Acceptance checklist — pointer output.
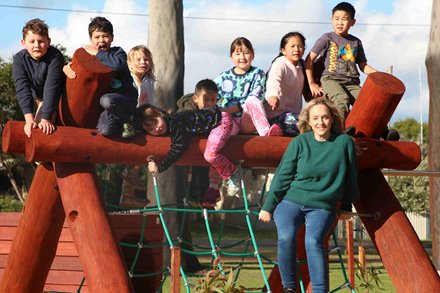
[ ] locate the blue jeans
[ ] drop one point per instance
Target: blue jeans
(118, 109)
(289, 216)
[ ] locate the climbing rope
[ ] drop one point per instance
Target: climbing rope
(215, 250)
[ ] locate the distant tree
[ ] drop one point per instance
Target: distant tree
(9, 108)
(409, 129)
(412, 191)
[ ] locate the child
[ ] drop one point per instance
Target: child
(341, 51)
(38, 77)
(204, 96)
(141, 66)
(120, 102)
(241, 91)
(184, 124)
(285, 84)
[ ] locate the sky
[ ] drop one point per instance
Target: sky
(395, 33)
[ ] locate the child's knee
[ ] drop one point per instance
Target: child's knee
(106, 101)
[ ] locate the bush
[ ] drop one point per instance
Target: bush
(10, 204)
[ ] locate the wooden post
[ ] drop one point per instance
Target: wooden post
(350, 252)
(42, 220)
(35, 242)
(175, 269)
(89, 225)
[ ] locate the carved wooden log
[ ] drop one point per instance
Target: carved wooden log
(73, 145)
(80, 108)
(35, 243)
(376, 103)
(89, 225)
(405, 259)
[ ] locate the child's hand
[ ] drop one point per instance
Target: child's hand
(316, 90)
(264, 216)
(68, 71)
(46, 126)
(152, 167)
(274, 102)
(29, 126)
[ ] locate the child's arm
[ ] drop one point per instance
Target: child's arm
(315, 89)
(68, 71)
(273, 85)
(365, 68)
(115, 58)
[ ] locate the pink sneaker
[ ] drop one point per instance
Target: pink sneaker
(275, 130)
(211, 197)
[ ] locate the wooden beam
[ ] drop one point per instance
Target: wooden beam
(71, 144)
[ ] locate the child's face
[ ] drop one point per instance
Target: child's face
(36, 45)
(342, 22)
(141, 64)
(159, 127)
(205, 99)
(294, 49)
(242, 58)
(101, 40)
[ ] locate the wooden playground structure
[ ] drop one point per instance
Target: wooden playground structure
(66, 193)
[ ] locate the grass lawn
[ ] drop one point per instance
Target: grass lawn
(250, 276)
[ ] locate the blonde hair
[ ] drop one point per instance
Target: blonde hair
(144, 50)
(304, 116)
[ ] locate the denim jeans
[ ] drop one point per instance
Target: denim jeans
(289, 216)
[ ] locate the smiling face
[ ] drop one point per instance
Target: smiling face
(158, 127)
(242, 58)
(101, 40)
(342, 22)
(36, 45)
(294, 49)
(320, 120)
(140, 65)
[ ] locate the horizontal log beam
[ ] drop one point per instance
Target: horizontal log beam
(80, 145)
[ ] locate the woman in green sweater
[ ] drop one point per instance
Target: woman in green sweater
(317, 173)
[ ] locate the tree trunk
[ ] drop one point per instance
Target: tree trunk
(166, 42)
(433, 69)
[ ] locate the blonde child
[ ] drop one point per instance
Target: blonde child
(285, 84)
(141, 66)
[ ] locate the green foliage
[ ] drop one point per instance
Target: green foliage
(10, 204)
(215, 282)
(110, 178)
(369, 276)
(63, 51)
(409, 129)
(9, 108)
(412, 191)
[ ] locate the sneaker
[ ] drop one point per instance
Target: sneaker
(212, 196)
(393, 135)
(289, 290)
(128, 131)
(233, 183)
(350, 130)
(275, 130)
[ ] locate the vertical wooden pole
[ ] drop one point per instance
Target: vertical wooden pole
(35, 243)
(98, 251)
(350, 252)
(175, 269)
